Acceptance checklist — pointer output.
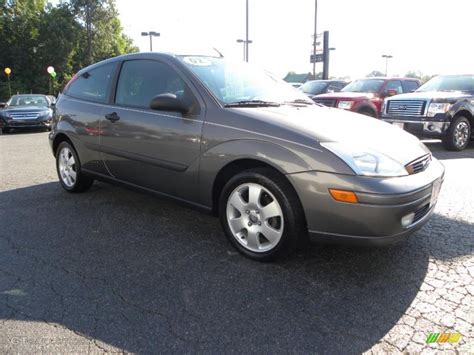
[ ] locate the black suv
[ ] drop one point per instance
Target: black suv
(441, 108)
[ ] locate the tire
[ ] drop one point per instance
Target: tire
(458, 135)
(69, 171)
(244, 218)
(5, 130)
(367, 112)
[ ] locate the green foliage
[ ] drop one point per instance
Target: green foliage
(418, 75)
(35, 34)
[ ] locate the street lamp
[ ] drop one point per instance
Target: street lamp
(245, 47)
(151, 34)
(387, 57)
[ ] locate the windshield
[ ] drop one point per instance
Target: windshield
(314, 87)
(33, 100)
(364, 85)
(449, 83)
(241, 82)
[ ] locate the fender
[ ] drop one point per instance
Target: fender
(219, 156)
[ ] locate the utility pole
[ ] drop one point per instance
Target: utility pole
(387, 57)
(315, 37)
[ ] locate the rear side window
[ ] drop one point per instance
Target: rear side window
(93, 85)
(141, 80)
(394, 85)
(410, 86)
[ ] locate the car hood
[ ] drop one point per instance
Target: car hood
(433, 95)
(325, 124)
(346, 95)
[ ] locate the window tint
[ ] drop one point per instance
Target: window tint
(141, 80)
(410, 86)
(93, 85)
(394, 85)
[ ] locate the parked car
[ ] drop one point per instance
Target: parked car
(442, 108)
(232, 140)
(317, 87)
(365, 96)
(26, 111)
(52, 99)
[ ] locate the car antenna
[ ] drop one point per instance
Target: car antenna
(220, 54)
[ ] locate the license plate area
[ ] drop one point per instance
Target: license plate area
(399, 124)
(435, 191)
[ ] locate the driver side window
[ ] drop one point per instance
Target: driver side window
(141, 80)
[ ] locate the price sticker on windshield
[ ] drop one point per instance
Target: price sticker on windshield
(197, 61)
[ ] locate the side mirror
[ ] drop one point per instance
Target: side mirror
(169, 102)
(392, 92)
(3, 104)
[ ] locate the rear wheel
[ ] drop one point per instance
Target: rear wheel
(261, 214)
(5, 130)
(458, 134)
(69, 169)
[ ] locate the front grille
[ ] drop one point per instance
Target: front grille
(421, 212)
(406, 107)
(418, 165)
(24, 115)
(326, 102)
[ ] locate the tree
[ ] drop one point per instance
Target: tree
(102, 36)
(375, 73)
(68, 36)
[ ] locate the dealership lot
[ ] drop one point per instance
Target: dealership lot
(117, 270)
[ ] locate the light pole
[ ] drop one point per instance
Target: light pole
(151, 34)
(387, 57)
(245, 47)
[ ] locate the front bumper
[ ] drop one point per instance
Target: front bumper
(27, 123)
(435, 127)
(383, 202)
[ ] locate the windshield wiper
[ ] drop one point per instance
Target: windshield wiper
(252, 103)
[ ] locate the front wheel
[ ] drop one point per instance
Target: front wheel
(69, 169)
(458, 134)
(261, 214)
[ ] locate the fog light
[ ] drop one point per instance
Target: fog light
(408, 219)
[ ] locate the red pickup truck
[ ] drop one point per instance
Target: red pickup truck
(366, 96)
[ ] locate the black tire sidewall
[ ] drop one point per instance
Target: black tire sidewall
(289, 239)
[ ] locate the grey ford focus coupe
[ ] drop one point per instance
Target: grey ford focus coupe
(235, 141)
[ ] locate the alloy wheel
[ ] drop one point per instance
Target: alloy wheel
(461, 133)
(255, 217)
(67, 167)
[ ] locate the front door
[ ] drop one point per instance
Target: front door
(157, 150)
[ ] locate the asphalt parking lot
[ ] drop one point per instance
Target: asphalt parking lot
(116, 270)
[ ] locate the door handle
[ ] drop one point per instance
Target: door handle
(112, 117)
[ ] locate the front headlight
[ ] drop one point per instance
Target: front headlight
(436, 108)
(345, 105)
(365, 161)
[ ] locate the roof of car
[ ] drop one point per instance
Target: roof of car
(389, 78)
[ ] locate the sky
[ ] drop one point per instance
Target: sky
(431, 36)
